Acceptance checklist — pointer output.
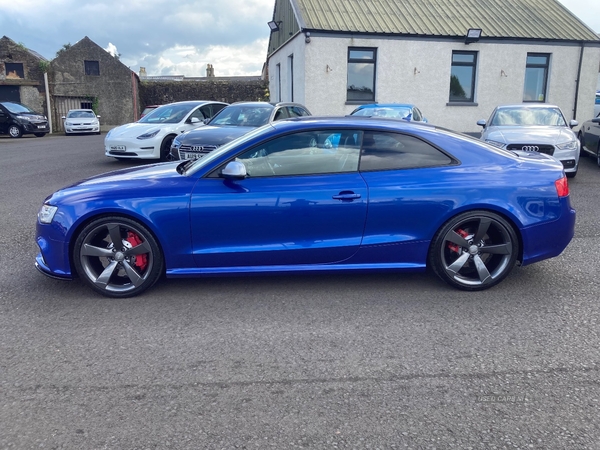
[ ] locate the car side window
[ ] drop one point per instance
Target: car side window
(201, 113)
(304, 153)
(417, 115)
(392, 151)
(281, 114)
(296, 111)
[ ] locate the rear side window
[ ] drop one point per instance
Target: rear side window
(391, 151)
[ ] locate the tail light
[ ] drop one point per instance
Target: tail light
(562, 187)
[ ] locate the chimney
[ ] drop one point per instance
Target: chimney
(143, 73)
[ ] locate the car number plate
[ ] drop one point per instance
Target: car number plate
(41, 126)
(192, 155)
(118, 148)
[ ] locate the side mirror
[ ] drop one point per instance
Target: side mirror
(596, 120)
(98, 116)
(481, 123)
(573, 123)
(63, 117)
(194, 120)
(234, 170)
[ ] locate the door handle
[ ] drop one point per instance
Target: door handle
(346, 196)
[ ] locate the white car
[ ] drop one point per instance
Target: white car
(81, 121)
(534, 127)
(151, 136)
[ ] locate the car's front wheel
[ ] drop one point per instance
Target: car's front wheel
(474, 250)
(165, 148)
(15, 131)
(117, 257)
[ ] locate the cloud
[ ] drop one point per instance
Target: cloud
(164, 36)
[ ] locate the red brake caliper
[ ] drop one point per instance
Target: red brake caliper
(455, 247)
(141, 261)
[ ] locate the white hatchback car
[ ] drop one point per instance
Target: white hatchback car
(151, 136)
(81, 121)
(534, 127)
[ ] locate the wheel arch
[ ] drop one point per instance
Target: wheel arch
(81, 224)
(506, 215)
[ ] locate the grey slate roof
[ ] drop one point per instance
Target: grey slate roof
(524, 19)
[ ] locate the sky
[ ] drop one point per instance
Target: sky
(168, 37)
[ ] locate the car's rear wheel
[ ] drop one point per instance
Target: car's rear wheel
(15, 131)
(117, 257)
(165, 148)
(474, 250)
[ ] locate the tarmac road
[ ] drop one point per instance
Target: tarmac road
(331, 361)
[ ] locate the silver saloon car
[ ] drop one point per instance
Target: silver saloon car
(534, 128)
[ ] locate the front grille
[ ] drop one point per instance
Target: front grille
(541, 148)
(197, 148)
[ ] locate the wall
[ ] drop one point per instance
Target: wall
(229, 91)
(418, 71)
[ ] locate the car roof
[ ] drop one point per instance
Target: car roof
(528, 105)
(81, 109)
(193, 102)
(356, 121)
(386, 105)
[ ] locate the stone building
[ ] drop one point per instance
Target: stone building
(22, 75)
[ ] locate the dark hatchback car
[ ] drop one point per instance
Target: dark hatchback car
(17, 119)
(230, 123)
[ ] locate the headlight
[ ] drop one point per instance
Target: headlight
(495, 143)
(46, 213)
(149, 134)
(176, 143)
(570, 145)
(24, 118)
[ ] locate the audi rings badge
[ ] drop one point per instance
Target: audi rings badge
(530, 148)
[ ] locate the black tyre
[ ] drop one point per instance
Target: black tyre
(15, 131)
(582, 152)
(165, 148)
(117, 257)
(39, 134)
(474, 250)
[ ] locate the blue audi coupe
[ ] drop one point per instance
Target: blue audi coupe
(313, 195)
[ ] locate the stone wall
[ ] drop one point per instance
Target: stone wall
(226, 90)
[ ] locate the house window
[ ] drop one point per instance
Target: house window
(536, 77)
(14, 70)
(462, 77)
(92, 68)
(361, 74)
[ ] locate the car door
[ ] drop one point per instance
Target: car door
(591, 135)
(4, 120)
(300, 204)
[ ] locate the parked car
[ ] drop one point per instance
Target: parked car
(597, 105)
(534, 127)
(81, 121)
(392, 195)
(232, 122)
(147, 110)
(589, 138)
(151, 136)
(404, 111)
(17, 119)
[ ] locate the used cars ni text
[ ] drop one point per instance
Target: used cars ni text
(81, 121)
(389, 195)
(232, 122)
(151, 136)
(534, 128)
(17, 119)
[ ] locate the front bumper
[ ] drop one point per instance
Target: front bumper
(148, 149)
(36, 127)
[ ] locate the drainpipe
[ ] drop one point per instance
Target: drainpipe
(48, 109)
(577, 81)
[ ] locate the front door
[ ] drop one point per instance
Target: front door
(304, 202)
